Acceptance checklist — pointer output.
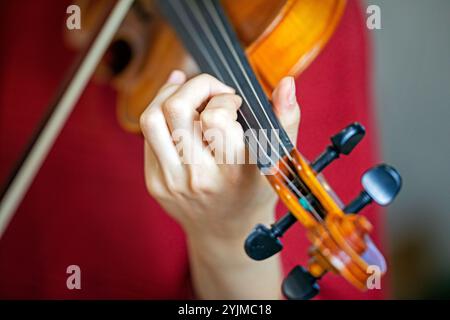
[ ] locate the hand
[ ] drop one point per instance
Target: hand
(216, 204)
(221, 199)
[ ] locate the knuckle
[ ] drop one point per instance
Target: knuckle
(222, 101)
(200, 184)
(148, 119)
(173, 106)
(204, 77)
(176, 189)
(155, 190)
(214, 118)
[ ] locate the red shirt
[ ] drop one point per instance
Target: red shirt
(88, 205)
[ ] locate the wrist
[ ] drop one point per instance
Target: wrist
(228, 231)
(221, 269)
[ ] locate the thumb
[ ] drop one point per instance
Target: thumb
(286, 107)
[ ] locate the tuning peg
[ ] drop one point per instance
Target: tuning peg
(263, 242)
(342, 143)
(381, 184)
(300, 285)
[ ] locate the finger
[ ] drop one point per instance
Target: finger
(156, 132)
(154, 178)
(182, 117)
(286, 107)
(173, 82)
(181, 108)
(227, 104)
(176, 77)
(221, 130)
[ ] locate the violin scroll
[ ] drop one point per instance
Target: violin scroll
(263, 242)
(340, 238)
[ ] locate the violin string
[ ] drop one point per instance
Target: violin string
(214, 14)
(190, 27)
(236, 57)
(209, 59)
(216, 18)
(213, 42)
(298, 193)
(215, 45)
(219, 24)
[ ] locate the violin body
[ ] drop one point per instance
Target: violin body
(146, 49)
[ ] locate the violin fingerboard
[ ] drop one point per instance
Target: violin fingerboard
(208, 35)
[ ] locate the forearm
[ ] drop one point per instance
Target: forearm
(220, 269)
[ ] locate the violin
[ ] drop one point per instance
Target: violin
(238, 43)
(146, 48)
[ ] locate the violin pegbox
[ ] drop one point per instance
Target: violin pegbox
(264, 242)
(381, 184)
(339, 236)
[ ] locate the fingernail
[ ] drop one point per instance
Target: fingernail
(292, 96)
(176, 77)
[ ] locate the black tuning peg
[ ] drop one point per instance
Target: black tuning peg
(381, 185)
(342, 143)
(264, 242)
(300, 285)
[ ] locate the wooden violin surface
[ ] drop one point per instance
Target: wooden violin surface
(281, 38)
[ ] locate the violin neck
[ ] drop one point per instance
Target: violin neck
(208, 35)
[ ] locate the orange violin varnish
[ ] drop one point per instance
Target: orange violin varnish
(145, 50)
(338, 240)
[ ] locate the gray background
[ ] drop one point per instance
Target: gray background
(412, 86)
